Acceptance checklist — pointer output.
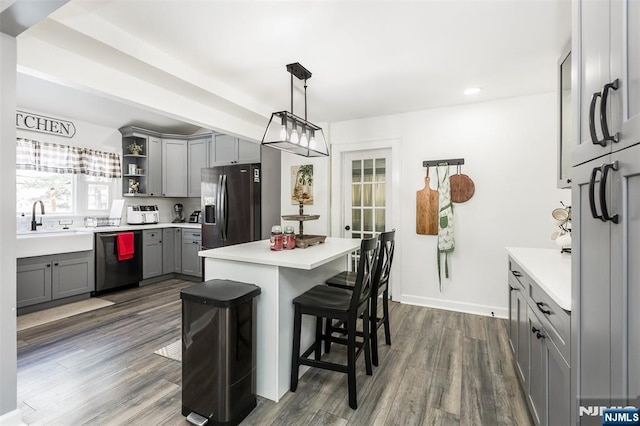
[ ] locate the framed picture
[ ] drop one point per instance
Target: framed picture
(302, 184)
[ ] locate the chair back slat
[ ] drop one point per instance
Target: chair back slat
(366, 271)
(385, 258)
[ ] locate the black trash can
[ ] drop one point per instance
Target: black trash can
(218, 351)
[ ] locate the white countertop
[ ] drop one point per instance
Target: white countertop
(549, 268)
(160, 225)
(54, 241)
(298, 258)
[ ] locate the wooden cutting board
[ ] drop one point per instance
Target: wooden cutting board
(427, 210)
(462, 188)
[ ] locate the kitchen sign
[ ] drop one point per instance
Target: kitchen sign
(41, 123)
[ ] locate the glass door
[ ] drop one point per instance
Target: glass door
(366, 194)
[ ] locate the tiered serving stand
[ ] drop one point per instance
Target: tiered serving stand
(304, 241)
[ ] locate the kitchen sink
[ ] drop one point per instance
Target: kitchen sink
(53, 241)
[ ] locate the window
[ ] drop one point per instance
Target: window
(55, 190)
(68, 180)
(98, 193)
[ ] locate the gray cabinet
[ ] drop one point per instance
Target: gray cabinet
(33, 282)
(231, 150)
(191, 245)
(248, 152)
(606, 248)
(539, 337)
(154, 165)
(151, 253)
(518, 326)
(134, 163)
(536, 395)
(45, 278)
(171, 250)
(606, 37)
(198, 159)
(606, 206)
(174, 168)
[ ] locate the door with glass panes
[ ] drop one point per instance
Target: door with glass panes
(366, 194)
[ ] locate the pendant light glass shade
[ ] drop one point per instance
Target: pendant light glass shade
(290, 133)
(300, 137)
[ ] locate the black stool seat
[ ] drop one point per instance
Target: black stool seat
(345, 279)
(325, 299)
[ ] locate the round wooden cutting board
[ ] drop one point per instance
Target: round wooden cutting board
(462, 188)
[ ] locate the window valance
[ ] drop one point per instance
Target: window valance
(56, 158)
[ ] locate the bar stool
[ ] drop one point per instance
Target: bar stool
(380, 286)
(343, 305)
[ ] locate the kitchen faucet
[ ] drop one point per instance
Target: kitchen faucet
(35, 224)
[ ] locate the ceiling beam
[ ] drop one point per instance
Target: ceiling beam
(23, 14)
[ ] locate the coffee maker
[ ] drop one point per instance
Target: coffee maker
(178, 217)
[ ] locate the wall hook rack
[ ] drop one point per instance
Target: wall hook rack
(451, 162)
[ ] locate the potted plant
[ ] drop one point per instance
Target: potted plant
(135, 148)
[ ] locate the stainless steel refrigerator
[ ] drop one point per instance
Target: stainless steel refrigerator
(240, 202)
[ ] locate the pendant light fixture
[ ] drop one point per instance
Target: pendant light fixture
(290, 133)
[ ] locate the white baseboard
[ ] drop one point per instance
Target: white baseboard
(450, 305)
(12, 418)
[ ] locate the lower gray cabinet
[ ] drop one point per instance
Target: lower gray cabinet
(191, 245)
(151, 253)
(537, 377)
(518, 328)
(539, 340)
(172, 251)
(44, 278)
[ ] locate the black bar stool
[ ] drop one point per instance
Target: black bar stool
(380, 286)
(343, 305)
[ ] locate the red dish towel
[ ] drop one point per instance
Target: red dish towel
(124, 241)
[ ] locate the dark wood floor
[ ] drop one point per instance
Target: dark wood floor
(443, 368)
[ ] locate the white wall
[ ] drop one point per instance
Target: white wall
(88, 135)
(8, 380)
(509, 147)
(320, 206)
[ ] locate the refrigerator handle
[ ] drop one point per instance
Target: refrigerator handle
(225, 206)
(219, 207)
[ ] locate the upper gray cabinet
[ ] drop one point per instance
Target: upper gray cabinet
(174, 168)
(170, 165)
(154, 162)
(198, 153)
(606, 52)
(231, 150)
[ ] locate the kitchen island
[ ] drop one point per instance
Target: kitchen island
(282, 275)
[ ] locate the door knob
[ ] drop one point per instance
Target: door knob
(347, 228)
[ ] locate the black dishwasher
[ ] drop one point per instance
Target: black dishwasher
(112, 273)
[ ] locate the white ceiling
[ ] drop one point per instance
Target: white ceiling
(368, 58)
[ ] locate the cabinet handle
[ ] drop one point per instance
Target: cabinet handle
(516, 274)
(592, 121)
(592, 196)
(48, 265)
(513, 288)
(540, 336)
(535, 330)
(540, 308)
(603, 192)
(603, 111)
